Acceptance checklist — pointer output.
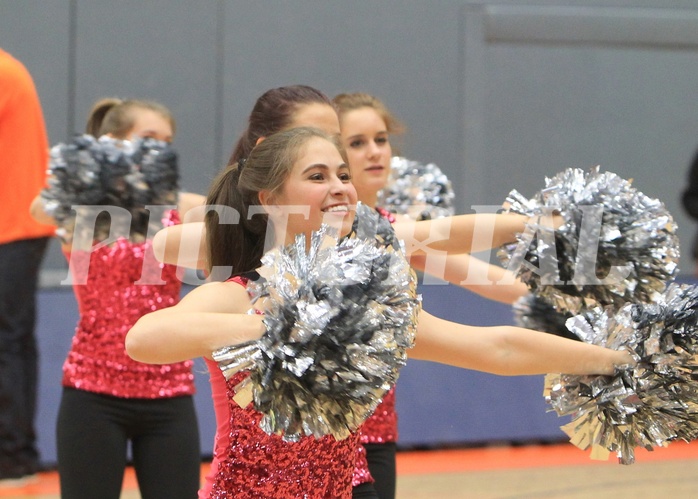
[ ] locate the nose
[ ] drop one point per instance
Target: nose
(338, 187)
(373, 149)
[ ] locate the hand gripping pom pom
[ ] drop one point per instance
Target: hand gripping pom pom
(109, 172)
(616, 245)
(419, 191)
(646, 405)
(339, 319)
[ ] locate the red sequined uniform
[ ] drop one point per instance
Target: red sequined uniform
(110, 301)
(249, 463)
(381, 426)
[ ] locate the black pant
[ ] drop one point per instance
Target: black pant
(92, 437)
(364, 491)
(19, 270)
(381, 463)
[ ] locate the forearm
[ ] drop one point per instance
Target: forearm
(166, 336)
(502, 293)
(183, 245)
(489, 281)
(525, 351)
(191, 207)
(508, 350)
(461, 233)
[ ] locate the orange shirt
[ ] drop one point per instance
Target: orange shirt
(23, 152)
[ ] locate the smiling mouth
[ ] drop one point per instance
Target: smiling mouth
(340, 209)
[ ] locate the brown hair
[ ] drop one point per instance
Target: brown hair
(117, 116)
(240, 244)
(273, 111)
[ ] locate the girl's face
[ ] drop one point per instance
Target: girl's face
(367, 145)
(315, 114)
(151, 124)
(318, 190)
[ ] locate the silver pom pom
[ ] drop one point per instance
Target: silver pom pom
(339, 319)
(109, 172)
(422, 192)
(532, 312)
(616, 245)
(648, 405)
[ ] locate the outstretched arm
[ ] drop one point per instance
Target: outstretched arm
(509, 350)
(471, 273)
(209, 317)
(460, 233)
(187, 204)
(183, 245)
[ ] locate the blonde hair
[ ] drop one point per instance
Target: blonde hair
(357, 100)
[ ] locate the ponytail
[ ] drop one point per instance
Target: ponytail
(96, 118)
(235, 243)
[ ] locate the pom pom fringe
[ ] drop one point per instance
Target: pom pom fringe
(339, 319)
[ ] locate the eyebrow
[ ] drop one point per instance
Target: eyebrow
(323, 166)
(316, 165)
(362, 135)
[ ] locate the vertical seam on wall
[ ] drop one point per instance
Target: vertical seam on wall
(471, 175)
(72, 66)
(220, 73)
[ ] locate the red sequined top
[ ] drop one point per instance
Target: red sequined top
(114, 286)
(381, 426)
(249, 463)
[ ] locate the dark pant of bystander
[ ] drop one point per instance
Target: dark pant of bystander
(19, 269)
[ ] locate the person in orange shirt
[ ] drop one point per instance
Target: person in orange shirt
(23, 242)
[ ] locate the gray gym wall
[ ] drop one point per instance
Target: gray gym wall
(498, 94)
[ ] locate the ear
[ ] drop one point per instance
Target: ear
(268, 201)
(266, 198)
(259, 140)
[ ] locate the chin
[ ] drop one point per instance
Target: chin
(379, 183)
(348, 223)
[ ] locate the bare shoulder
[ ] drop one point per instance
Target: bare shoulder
(220, 297)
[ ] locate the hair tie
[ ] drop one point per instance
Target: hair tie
(241, 163)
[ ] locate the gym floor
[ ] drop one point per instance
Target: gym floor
(552, 471)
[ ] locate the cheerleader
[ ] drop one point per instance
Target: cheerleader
(367, 127)
(303, 167)
(109, 400)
